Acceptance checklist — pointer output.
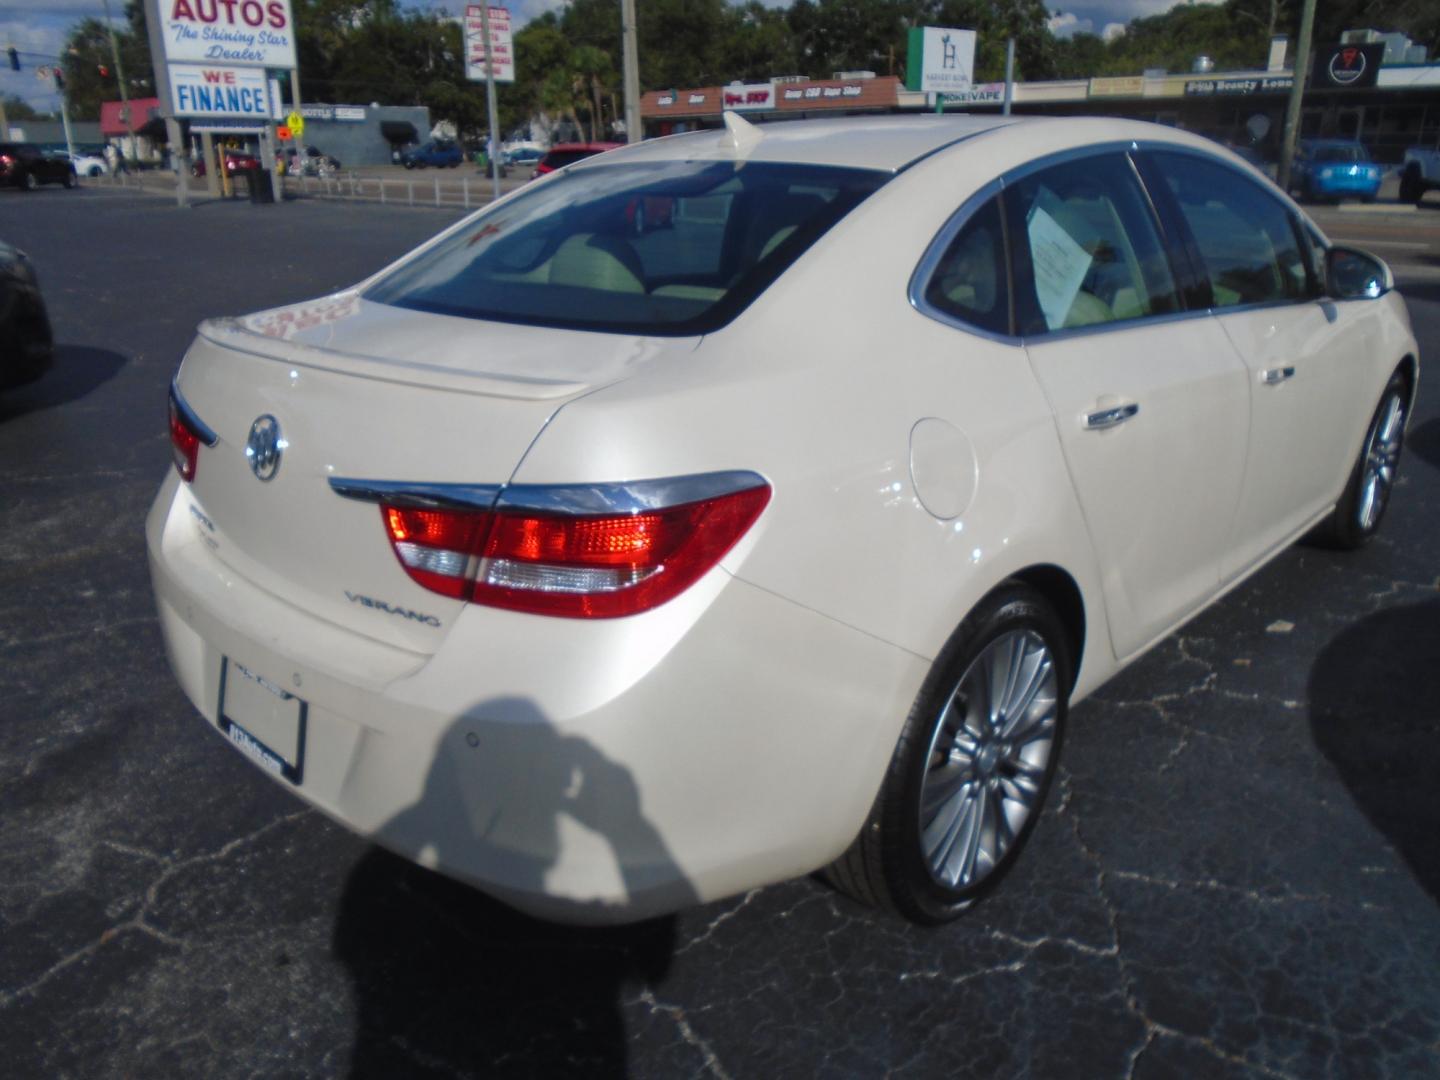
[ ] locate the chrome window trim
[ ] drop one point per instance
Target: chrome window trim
(191, 418)
(632, 497)
(930, 261)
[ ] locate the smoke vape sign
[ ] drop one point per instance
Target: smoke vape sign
(1347, 67)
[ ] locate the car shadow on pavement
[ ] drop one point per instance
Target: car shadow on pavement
(1423, 441)
(1373, 713)
(77, 370)
(447, 979)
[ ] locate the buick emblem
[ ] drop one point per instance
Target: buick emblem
(264, 447)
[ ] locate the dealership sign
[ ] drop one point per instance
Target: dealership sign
(501, 50)
(236, 93)
(940, 60)
(250, 32)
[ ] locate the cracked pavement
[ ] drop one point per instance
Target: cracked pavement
(1238, 874)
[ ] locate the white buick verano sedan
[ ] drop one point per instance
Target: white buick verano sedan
(754, 501)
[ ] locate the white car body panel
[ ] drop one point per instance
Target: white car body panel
(606, 770)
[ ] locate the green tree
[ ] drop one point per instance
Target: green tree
(90, 75)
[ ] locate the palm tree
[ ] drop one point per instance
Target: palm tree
(592, 71)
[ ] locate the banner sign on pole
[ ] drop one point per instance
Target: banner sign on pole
(501, 52)
(239, 93)
(940, 60)
(258, 32)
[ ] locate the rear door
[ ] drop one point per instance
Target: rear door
(1151, 403)
(1304, 353)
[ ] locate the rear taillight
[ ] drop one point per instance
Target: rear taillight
(577, 565)
(187, 435)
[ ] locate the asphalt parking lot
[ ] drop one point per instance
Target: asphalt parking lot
(1239, 876)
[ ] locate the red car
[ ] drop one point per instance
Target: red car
(236, 161)
(562, 154)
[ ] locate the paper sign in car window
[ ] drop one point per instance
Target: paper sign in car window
(1060, 263)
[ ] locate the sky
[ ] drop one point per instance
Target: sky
(40, 27)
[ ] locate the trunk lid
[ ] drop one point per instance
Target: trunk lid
(365, 391)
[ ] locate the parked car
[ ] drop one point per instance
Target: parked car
(783, 537)
(23, 165)
(26, 343)
(84, 164)
(523, 156)
(562, 154)
(1419, 173)
(439, 153)
(313, 163)
(1325, 169)
(236, 162)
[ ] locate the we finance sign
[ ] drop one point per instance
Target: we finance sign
(211, 92)
(258, 32)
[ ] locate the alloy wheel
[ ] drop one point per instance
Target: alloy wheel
(1382, 458)
(988, 760)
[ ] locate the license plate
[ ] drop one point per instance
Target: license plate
(265, 722)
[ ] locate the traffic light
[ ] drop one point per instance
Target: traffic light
(104, 71)
(14, 55)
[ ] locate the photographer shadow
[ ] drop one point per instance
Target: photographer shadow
(449, 979)
(1373, 712)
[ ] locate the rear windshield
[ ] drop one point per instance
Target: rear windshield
(1341, 153)
(653, 248)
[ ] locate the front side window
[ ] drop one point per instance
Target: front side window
(1086, 247)
(676, 247)
(1244, 236)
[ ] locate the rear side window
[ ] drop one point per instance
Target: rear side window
(970, 282)
(1243, 234)
(675, 247)
(1086, 246)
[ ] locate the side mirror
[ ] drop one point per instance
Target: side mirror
(1356, 275)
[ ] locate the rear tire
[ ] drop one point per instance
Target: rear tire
(1357, 516)
(69, 179)
(973, 766)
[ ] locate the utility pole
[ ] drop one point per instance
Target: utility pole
(1009, 75)
(4, 123)
(630, 53)
(120, 80)
(1297, 93)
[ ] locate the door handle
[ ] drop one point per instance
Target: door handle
(1276, 375)
(1111, 417)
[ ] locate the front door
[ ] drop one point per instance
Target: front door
(1151, 404)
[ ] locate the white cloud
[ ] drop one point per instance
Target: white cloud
(1065, 24)
(1112, 31)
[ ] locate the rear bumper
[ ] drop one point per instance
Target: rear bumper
(585, 771)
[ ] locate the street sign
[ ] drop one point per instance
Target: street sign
(502, 54)
(296, 123)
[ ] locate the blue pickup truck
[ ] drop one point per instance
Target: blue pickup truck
(437, 152)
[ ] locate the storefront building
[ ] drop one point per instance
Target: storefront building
(1386, 107)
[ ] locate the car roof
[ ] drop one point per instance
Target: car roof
(890, 143)
(1331, 142)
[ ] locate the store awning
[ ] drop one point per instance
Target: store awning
(401, 131)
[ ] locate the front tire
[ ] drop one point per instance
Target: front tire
(973, 766)
(1357, 516)
(69, 179)
(32, 182)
